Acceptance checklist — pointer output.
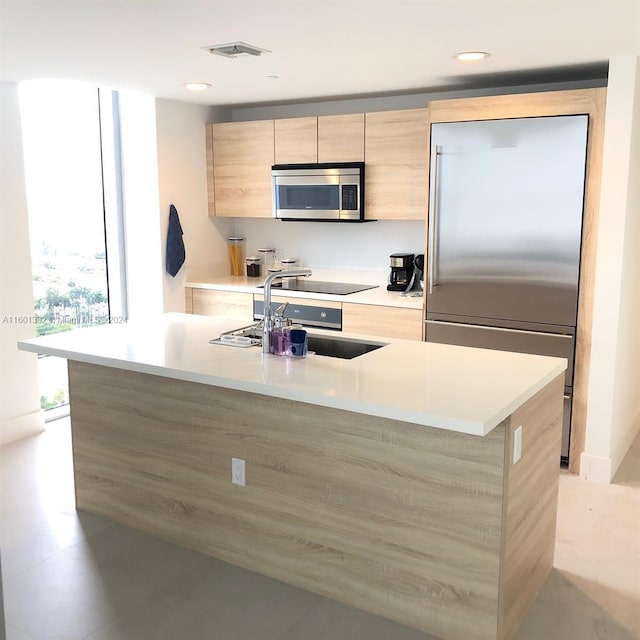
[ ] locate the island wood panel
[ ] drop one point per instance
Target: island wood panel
(552, 103)
(296, 140)
(208, 302)
(378, 320)
(341, 138)
(188, 300)
(396, 156)
(531, 504)
(211, 204)
(397, 519)
(242, 159)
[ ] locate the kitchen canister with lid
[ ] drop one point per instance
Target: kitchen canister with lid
(236, 255)
(253, 267)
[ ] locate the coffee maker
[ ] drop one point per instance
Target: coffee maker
(401, 271)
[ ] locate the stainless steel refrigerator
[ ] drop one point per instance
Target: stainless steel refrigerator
(504, 236)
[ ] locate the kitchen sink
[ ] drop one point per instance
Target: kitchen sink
(321, 345)
(345, 348)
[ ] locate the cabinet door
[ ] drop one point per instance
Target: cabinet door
(396, 157)
(208, 302)
(341, 138)
(296, 140)
(211, 201)
(242, 159)
(376, 320)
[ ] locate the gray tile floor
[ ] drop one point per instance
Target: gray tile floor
(69, 575)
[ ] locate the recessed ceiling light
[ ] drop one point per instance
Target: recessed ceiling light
(197, 86)
(272, 77)
(471, 56)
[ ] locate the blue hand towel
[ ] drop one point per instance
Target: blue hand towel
(175, 244)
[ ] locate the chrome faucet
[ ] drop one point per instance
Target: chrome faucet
(268, 317)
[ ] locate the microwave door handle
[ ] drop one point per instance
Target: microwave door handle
(433, 223)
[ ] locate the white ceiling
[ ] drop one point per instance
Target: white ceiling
(320, 48)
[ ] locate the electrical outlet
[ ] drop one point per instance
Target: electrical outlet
(517, 444)
(237, 471)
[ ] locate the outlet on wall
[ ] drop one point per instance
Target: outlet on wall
(237, 471)
(517, 444)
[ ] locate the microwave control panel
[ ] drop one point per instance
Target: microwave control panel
(349, 197)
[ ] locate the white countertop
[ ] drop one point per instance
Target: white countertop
(443, 386)
(202, 279)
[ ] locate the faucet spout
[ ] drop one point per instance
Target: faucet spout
(268, 316)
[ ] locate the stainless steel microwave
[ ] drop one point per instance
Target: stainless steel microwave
(319, 192)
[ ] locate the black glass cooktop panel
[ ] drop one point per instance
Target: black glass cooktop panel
(317, 286)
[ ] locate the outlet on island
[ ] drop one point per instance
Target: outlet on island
(237, 471)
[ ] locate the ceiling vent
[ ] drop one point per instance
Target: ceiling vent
(236, 50)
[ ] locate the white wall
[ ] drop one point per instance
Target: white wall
(613, 410)
(19, 399)
(182, 175)
(140, 205)
(333, 245)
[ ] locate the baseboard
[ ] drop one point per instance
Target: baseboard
(21, 426)
(596, 468)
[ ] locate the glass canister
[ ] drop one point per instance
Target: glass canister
(287, 264)
(268, 257)
(253, 267)
(236, 255)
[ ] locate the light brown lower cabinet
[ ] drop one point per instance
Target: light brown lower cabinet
(378, 320)
(208, 302)
(188, 300)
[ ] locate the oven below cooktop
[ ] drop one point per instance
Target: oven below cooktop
(317, 286)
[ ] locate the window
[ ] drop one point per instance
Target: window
(71, 185)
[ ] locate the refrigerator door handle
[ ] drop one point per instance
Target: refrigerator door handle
(506, 329)
(432, 222)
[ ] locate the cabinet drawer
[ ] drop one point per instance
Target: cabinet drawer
(377, 320)
(222, 303)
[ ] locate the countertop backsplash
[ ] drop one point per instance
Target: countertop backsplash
(334, 245)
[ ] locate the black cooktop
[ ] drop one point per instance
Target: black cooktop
(317, 286)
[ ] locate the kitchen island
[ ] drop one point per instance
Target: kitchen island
(386, 482)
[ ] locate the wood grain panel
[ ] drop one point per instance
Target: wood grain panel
(211, 201)
(378, 320)
(582, 101)
(397, 519)
(523, 105)
(296, 140)
(587, 278)
(242, 159)
(531, 504)
(397, 171)
(341, 138)
(208, 302)
(188, 300)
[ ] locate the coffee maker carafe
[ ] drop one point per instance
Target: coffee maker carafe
(401, 271)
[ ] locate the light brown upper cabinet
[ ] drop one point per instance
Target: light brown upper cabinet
(396, 145)
(243, 153)
(341, 138)
(211, 201)
(296, 140)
